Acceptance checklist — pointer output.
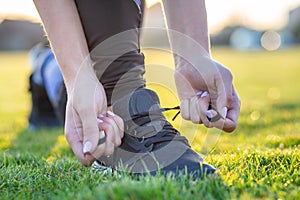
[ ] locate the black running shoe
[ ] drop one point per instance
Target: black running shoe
(42, 112)
(151, 144)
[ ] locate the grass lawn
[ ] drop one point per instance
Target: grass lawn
(260, 160)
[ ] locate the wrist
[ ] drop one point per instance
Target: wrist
(200, 62)
(83, 77)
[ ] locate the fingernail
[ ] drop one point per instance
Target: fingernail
(110, 113)
(87, 147)
(209, 114)
(99, 120)
(224, 112)
(204, 94)
(100, 116)
(199, 93)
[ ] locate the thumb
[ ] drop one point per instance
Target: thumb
(90, 133)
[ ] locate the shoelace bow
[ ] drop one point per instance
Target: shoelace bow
(214, 119)
(149, 143)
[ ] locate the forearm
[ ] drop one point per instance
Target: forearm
(63, 27)
(187, 28)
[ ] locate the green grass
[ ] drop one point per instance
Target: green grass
(260, 160)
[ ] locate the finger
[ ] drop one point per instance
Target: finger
(90, 131)
(213, 115)
(224, 94)
(110, 137)
(119, 122)
(185, 109)
(100, 149)
(115, 129)
(216, 120)
(74, 140)
(233, 113)
(194, 110)
(203, 103)
(76, 145)
(234, 107)
(229, 126)
(111, 122)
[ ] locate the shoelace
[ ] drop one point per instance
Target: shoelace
(168, 128)
(174, 108)
(213, 119)
(166, 134)
(143, 114)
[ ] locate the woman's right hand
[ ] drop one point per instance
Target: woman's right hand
(87, 118)
(86, 96)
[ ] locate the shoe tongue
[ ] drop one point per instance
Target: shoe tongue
(139, 104)
(143, 101)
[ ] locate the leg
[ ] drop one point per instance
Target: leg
(43, 112)
(150, 143)
(117, 68)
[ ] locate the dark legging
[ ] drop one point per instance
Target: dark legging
(112, 32)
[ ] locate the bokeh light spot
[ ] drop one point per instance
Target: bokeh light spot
(270, 40)
(255, 115)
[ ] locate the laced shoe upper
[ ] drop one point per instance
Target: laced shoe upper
(150, 142)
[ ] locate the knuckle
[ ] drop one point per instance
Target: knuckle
(207, 124)
(85, 162)
(230, 129)
(184, 109)
(185, 114)
(122, 134)
(109, 127)
(186, 117)
(228, 73)
(109, 150)
(118, 141)
(110, 132)
(109, 120)
(196, 121)
(119, 121)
